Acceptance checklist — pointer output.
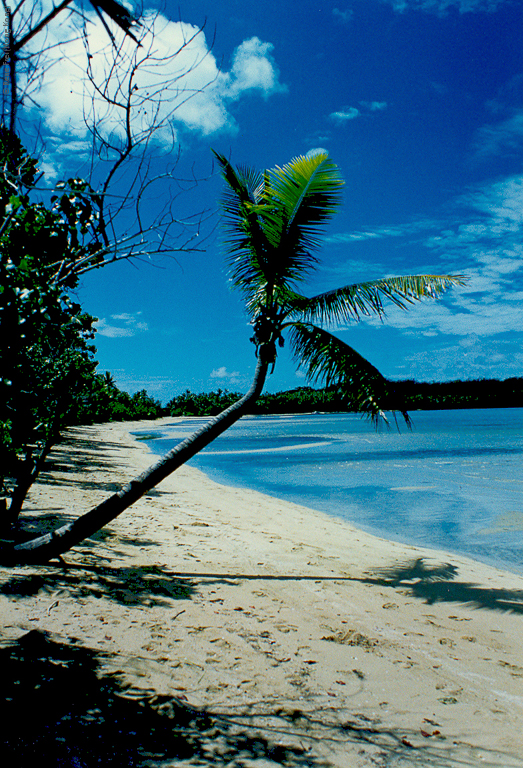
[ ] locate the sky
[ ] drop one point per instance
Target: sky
(420, 104)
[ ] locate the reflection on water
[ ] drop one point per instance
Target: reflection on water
(454, 482)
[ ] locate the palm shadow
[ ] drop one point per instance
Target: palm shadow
(58, 703)
(87, 454)
(431, 583)
(440, 584)
(127, 585)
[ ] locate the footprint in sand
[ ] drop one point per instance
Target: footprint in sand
(514, 670)
(285, 628)
(352, 637)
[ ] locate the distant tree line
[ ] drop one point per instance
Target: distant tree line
(103, 401)
(408, 394)
(477, 393)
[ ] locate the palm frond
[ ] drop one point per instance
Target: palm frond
(245, 240)
(352, 302)
(329, 361)
(299, 199)
(119, 14)
(308, 188)
(273, 220)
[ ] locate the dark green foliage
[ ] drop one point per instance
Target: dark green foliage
(202, 404)
(46, 356)
(102, 401)
(478, 393)
(125, 407)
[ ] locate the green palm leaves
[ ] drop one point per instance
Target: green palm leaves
(352, 302)
(273, 225)
(273, 221)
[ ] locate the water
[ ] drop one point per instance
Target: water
(454, 483)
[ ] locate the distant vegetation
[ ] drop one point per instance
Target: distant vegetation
(479, 393)
(412, 395)
(107, 403)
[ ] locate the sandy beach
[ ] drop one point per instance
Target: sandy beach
(215, 626)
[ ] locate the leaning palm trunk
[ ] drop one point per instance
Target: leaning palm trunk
(272, 220)
(52, 545)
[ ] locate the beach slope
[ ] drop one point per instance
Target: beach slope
(216, 626)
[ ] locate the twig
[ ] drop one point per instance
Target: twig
(53, 605)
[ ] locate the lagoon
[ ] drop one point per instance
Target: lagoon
(454, 482)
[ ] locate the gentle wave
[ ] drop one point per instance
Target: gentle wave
(300, 447)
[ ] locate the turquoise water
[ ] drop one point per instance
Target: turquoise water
(454, 482)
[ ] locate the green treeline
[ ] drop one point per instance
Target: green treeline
(478, 393)
(110, 404)
(408, 394)
(103, 401)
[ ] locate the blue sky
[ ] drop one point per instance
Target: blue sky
(419, 102)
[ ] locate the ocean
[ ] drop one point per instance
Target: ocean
(454, 482)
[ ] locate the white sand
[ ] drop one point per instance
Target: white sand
(280, 620)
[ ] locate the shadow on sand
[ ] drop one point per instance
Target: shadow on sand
(158, 585)
(441, 584)
(130, 585)
(433, 584)
(61, 703)
(74, 454)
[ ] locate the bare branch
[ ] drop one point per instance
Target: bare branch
(43, 23)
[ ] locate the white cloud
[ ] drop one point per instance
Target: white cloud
(492, 228)
(181, 85)
(412, 228)
(374, 106)
(223, 373)
(126, 325)
(458, 316)
(470, 357)
(344, 115)
(317, 151)
(351, 113)
(252, 68)
(482, 238)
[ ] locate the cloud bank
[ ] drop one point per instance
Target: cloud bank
(174, 80)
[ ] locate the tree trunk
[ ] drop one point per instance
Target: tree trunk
(30, 471)
(52, 545)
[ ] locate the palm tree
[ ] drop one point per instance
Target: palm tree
(273, 222)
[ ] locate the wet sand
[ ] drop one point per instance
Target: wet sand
(216, 626)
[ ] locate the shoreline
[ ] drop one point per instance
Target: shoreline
(499, 564)
(312, 636)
